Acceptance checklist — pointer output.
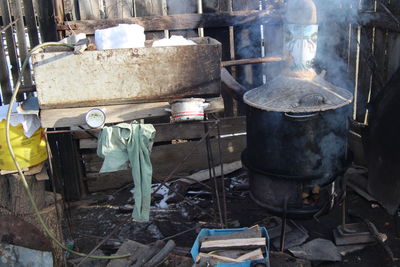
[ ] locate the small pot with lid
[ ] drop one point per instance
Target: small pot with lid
(187, 109)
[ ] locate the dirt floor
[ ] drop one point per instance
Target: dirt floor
(89, 221)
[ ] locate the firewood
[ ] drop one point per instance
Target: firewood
(252, 232)
(252, 255)
(215, 256)
(243, 243)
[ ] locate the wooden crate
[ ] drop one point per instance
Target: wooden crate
(119, 76)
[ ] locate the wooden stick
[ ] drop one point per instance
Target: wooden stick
(209, 255)
(232, 243)
(252, 255)
(250, 61)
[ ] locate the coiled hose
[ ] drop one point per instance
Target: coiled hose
(25, 184)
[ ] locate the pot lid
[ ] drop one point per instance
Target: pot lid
(293, 94)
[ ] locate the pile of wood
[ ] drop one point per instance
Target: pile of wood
(232, 248)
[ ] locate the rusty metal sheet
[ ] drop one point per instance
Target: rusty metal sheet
(119, 76)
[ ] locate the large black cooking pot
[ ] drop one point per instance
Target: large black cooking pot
(297, 128)
(298, 145)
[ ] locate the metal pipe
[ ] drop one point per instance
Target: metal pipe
(283, 228)
(212, 174)
(221, 162)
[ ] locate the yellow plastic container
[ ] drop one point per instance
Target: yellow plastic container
(29, 151)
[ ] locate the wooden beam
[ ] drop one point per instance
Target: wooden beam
(241, 243)
(68, 117)
(379, 20)
(178, 21)
(6, 90)
(31, 23)
(47, 24)
(22, 44)
(11, 46)
(231, 150)
(188, 130)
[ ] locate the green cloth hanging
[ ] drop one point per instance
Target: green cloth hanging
(131, 143)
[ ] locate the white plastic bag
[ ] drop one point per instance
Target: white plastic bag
(121, 36)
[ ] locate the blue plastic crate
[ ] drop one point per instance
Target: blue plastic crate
(208, 232)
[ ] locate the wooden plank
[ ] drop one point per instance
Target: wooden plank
(6, 90)
(201, 256)
(47, 23)
(242, 243)
(221, 34)
(11, 46)
(22, 45)
(59, 12)
(231, 151)
(70, 167)
(393, 52)
(380, 44)
(231, 146)
(106, 181)
(178, 131)
(68, 117)
(248, 45)
(178, 21)
(252, 255)
(149, 8)
(89, 9)
(204, 175)
(194, 130)
(393, 49)
(118, 9)
(380, 20)
(364, 73)
(183, 7)
(69, 9)
(117, 76)
(31, 24)
(252, 232)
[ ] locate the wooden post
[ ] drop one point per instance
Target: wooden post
(59, 15)
(119, 8)
(47, 24)
(31, 23)
(183, 7)
(11, 47)
(273, 44)
(5, 83)
(222, 35)
(248, 45)
(149, 8)
(22, 46)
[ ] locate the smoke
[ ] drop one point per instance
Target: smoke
(334, 19)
